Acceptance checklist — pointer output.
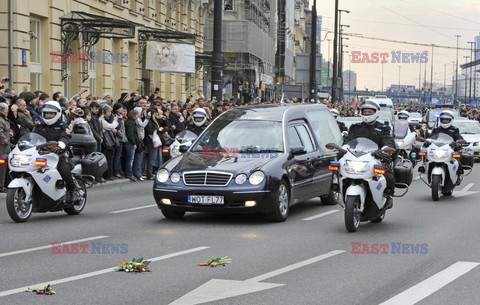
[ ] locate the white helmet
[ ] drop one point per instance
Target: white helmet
(199, 117)
(51, 106)
(446, 118)
(335, 113)
(369, 104)
(403, 115)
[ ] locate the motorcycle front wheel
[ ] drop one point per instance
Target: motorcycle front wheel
(436, 189)
(18, 209)
(352, 214)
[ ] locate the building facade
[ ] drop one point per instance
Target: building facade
(44, 31)
(249, 31)
(349, 80)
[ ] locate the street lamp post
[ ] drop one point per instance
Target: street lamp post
(466, 61)
(399, 69)
(217, 60)
(470, 76)
(382, 75)
(349, 74)
(338, 17)
(328, 64)
(456, 72)
(431, 76)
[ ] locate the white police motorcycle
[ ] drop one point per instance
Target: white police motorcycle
(361, 180)
(183, 140)
(37, 185)
(441, 165)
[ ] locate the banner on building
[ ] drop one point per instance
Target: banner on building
(170, 57)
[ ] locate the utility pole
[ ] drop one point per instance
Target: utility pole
(470, 85)
(456, 73)
(466, 61)
(399, 69)
(382, 76)
(445, 77)
(431, 76)
(335, 44)
(329, 63)
(217, 58)
(419, 81)
(313, 54)
(475, 74)
(425, 81)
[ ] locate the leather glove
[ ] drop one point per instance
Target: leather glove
(57, 150)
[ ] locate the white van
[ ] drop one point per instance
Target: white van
(383, 101)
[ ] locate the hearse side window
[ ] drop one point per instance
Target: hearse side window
(305, 137)
(325, 128)
(293, 138)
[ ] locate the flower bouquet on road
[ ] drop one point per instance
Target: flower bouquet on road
(135, 265)
(219, 261)
(46, 290)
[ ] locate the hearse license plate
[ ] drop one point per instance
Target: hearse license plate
(198, 199)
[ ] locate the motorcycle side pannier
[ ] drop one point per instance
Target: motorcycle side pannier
(403, 172)
(467, 159)
(94, 164)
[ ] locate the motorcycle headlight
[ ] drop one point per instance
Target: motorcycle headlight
(399, 143)
(162, 175)
(439, 153)
(356, 167)
(240, 179)
(175, 177)
(429, 131)
(476, 144)
(256, 178)
(20, 160)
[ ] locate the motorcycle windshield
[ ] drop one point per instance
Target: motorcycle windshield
(30, 140)
(400, 130)
(185, 136)
(441, 139)
(361, 146)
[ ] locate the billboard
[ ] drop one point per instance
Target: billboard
(170, 57)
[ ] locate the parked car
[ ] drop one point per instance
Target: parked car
(260, 159)
(415, 119)
(470, 131)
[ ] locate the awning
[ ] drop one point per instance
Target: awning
(85, 23)
(92, 27)
(149, 34)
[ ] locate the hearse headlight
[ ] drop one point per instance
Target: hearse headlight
(162, 175)
(256, 178)
(240, 179)
(175, 177)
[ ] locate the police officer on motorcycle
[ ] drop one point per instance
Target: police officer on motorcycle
(445, 126)
(54, 129)
(341, 125)
(199, 121)
(403, 116)
(379, 133)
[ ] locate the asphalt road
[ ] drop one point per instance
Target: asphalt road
(308, 259)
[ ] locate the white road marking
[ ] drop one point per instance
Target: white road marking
(216, 289)
(427, 287)
(50, 246)
(95, 273)
(320, 215)
(295, 266)
(465, 191)
(133, 209)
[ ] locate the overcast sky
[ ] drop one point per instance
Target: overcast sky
(420, 21)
